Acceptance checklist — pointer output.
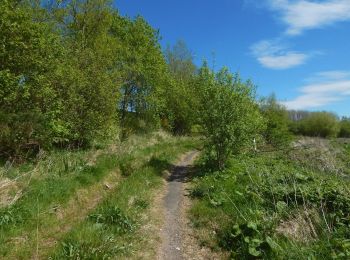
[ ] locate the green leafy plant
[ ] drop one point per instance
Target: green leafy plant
(113, 216)
(7, 216)
(228, 114)
(246, 239)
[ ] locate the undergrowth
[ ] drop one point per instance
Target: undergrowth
(272, 207)
(47, 185)
(114, 229)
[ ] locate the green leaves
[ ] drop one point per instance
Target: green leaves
(247, 239)
(115, 218)
(277, 131)
(228, 114)
(69, 66)
(321, 124)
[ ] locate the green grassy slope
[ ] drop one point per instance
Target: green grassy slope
(59, 195)
(276, 205)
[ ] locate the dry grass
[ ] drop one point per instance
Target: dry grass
(317, 153)
(301, 227)
(8, 192)
(154, 222)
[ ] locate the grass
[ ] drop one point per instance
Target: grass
(116, 228)
(54, 183)
(271, 206)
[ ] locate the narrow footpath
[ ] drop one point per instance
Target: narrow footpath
(177, 239)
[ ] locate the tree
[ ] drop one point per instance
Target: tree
(229, 114)
(180, 61)
(181, 98)
(277, 122)
(144, 72)
(87, 75)
(29, 50)
(345, 127)
(67, 69)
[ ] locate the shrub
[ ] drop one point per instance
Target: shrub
(321, 124)
(229, 115)
(344, 127)
(277, 122)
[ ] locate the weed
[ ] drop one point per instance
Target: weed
(76, 250)
(7, 217)
(246, 238)
(126, 167)
(113, 216)
(141, 203)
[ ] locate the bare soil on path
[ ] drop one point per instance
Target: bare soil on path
(177, 237)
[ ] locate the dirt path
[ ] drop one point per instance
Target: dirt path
(177, 241)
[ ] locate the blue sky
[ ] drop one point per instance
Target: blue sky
(297, 49)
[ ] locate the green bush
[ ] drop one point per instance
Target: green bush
(321, 124)
(228, 114)
(277, 122)
(344, 128)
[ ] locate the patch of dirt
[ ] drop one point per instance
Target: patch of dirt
(177, 237)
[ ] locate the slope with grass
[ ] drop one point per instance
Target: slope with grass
(277, 205)
(66, 195)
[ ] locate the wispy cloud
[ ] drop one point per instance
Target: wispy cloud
(327, 87)
(274, 55)
(333, 75)
(301, 15)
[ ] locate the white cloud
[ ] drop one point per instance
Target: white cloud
(330, 75)
(301, 15)
(275, 56)
(286, 61)
(329, 87)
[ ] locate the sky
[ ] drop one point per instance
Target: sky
(296, 49)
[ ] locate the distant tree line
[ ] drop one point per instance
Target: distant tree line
(282, 124)
(320, 124)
